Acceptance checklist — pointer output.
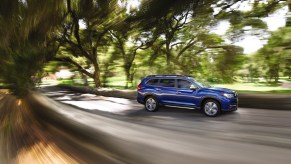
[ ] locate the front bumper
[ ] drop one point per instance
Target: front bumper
(232, 107)
(230, 104)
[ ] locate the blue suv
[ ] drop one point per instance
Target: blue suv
(184, 91)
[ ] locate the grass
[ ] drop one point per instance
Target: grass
(270, 91)
(119, 83)
(285, 78)
(254, 88)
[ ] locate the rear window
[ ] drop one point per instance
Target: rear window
(167, 82)
(153, 82)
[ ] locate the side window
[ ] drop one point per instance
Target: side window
(153, 82)
(167, 82)
(183, 84)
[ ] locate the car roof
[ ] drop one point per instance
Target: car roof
(168, 76)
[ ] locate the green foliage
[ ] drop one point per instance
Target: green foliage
(274, 58)
(27, 41)
(245, 21)
(102, 39)
(178, 38)
(87, 42)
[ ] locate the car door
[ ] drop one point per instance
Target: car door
(168, 91)
(153, 87)
(186, 96)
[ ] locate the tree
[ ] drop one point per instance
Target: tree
(128, 43)
(27, 40)
(180, 30)
(275, 56)
(97, 17)
(183, 37)
(177, 28)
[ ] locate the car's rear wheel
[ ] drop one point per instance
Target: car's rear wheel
(211, 108)
(151, 104)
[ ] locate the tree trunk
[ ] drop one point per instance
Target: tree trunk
(96, 76)
(169, 67)
(127, 73)
(85, 80)
(288, 20)
(131, 78)
(168, 54)
(105, 76)
(97, 80)
(276, 79)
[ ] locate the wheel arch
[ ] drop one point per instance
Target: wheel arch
(210, 98)
(150, 95)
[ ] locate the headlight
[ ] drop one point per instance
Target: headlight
(228, 95)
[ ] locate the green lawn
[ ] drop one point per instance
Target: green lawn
(254, 88)
(119, 83)
(285, 78)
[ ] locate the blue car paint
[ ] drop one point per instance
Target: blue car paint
(185, 97)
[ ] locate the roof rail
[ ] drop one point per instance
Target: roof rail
(167, 76)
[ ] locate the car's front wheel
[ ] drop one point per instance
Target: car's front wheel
(151, 104)
(211, 108)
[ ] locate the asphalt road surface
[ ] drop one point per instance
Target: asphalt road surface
(172, 135)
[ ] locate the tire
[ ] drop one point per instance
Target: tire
(151, 104)
(211, 108)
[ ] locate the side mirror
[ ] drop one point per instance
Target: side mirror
(193, 87)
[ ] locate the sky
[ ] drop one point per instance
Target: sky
(252, 43)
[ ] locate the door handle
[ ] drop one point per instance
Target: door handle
(179, 92)
(157, 89)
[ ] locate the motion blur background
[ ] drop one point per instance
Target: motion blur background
(67, 49)
(244, 44)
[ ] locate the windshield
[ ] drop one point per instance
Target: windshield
(202, 83)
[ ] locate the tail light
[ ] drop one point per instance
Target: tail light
(139, 87)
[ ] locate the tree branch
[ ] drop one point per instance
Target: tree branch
(189, 45)
(79, 67)
(119, 43)
(76, 32)
(176, 44)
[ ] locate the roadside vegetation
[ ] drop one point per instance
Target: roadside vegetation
(240, 87)
(115, 43)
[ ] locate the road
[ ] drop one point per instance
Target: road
(174, 135)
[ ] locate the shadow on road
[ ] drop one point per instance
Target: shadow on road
(174, 135)
(23, 139)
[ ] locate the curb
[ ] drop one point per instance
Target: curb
(127, 94)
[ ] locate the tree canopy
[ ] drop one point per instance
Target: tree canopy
(27, 40)
(158, 36)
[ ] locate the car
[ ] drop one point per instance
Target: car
(185, 91)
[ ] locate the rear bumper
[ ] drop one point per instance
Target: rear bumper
(140, 98)
(140, 101)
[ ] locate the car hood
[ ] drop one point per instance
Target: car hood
(225, 90)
